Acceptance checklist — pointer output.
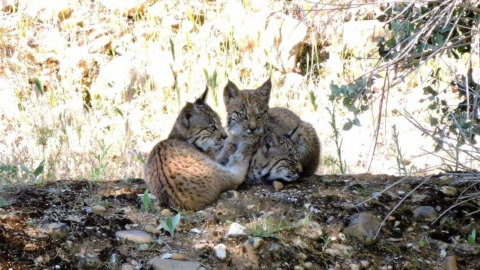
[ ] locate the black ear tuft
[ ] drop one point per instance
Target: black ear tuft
(202, 100)
(292, 132)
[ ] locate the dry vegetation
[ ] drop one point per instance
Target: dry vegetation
(89, 89)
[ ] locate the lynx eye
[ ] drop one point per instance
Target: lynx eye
(242, 116)
(260, 115)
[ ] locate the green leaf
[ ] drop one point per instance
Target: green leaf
(335, 90)
(117, 110)
(25, 169)
(472, 238)
(38, 85)
(176, 220)
(391, 42)
(429, 90)
(39, 168)
(356, 122)
(433, 121)
(348, 125)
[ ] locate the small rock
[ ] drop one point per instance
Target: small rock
(308, 265)
(364, 227)
(135, 236)
(98, 209)
(166, 212)
(425, 213)
(127, 266)
(344, 249)
(254, 207)
(312, 231)
(38, 260)
(450, 263)
(419, 198)
(365, 264)
(162, 264)
(277, 185)
(465, 248)
(236, 230)
(143, 247)
(354, 266)
(449, 191)
(151, 229)
(56, 230)
(177, 256)
(298, 267)
(220, 251)
(89, 262)
(114, 261)
(195, 231)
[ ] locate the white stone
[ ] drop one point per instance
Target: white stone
(138, 237)
(220, 251)
(236, 230)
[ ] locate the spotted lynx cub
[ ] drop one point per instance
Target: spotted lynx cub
(179, 171)
(250, 118)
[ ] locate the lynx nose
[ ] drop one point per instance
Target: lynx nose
(252, 129)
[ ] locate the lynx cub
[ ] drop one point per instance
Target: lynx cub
(180, 174)
(250, 118)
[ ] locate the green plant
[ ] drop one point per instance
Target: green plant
(341, 164)
(472, 238)
(212, 84)
(402, 169)
(271, 227)
(421, 243)
(7, 174)
(36, 173)
(146, 203)
(169, 224)
(99, 172)
(313, 100)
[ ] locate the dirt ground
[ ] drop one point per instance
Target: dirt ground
(328, 200)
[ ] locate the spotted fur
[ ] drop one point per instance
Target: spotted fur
(179, 170)
(199, 125)
(277, 158)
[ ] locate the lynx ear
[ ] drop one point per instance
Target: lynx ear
(265, 90)
(187, 112)
(230, 92)
(292, 132)
(269, 141)
(202, 100)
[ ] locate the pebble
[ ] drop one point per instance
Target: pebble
(425, 213)
(354, 266)
(127, 266)
(151, 229)
(466, 248)
(236, 230)
(308, 265)
(143, 247)
(89, 262)
(312, 231)
(278, 185)
(56, 230)
(166, 212)
(135, 236)
(98, 209)
(220, 252)
(163, 264)
(449, 191)
(364, 227)
(177, 256)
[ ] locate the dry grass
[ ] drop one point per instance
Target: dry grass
(111, 139)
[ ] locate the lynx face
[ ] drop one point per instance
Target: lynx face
(277, 158)
(247, 110)
(200, 126)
